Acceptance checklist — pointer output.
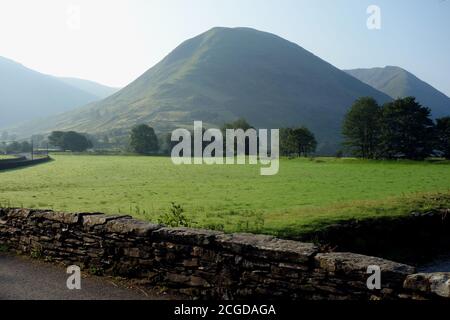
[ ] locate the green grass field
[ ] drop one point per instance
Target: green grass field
(304, 196)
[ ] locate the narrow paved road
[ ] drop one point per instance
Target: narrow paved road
(26, 279)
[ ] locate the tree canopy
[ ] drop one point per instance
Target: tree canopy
(399, 129)
(71, 140)
(300, 141)
(143, 139)
(406, 130)
(443, 137)
(238, 124)
(361, 127)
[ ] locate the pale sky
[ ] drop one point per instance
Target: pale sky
(118, 40)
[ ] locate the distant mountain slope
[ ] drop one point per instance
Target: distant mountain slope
(99, 90)
(225, 74)
(398, 83)
(26, 94)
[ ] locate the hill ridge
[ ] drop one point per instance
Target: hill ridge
(398, 82)
(224, 74)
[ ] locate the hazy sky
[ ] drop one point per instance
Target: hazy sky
(118, 40)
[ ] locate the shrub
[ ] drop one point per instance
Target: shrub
(175, 217)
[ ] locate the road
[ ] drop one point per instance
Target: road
(26, 279)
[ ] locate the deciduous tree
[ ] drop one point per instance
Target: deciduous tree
(143, 139)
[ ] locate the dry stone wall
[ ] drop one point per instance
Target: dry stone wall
(205, 264)
(8, 164)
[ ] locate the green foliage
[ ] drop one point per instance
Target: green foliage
(175, 217)
(238, 124)
(165, 143)
(96, 271)
(37, 252)
(56, 138)
(16, 147)
(443, 137)
(400, 129)
(406, 130)
(71, 140)
(143, 139)
(361, 128)
(25, 146)
(299, 141)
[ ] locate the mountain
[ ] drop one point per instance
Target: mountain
(399, 83)
(26, 94)
(99, 90)
(225, 74)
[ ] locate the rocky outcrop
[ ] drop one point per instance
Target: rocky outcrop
(204, 264)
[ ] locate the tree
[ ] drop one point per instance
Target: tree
(56, 139)
(71, 140)
(75, 142)
(287, 142)
(143, 139)
(14, 147)
(165, 143)
(406, 130)
(25, 146)
(361, 128)
(443, 136)
(306, 141)
(238, 124)
(300, 141)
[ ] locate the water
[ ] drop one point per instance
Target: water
(440, 264)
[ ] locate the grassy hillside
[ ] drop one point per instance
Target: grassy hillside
(226, 74)
(305, 195)
(399, 83)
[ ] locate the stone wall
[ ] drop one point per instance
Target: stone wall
(12, 159)
(206, 264)
(7, 164)
(411, 239)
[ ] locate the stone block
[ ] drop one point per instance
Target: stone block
(430, 283)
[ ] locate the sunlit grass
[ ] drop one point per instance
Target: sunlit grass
(305, 195)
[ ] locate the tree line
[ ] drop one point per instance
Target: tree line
(402, 128)
(298, 141)
(17, 147)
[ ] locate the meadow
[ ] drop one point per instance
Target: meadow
(306, 194)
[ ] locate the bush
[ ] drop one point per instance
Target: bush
(175, 217)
